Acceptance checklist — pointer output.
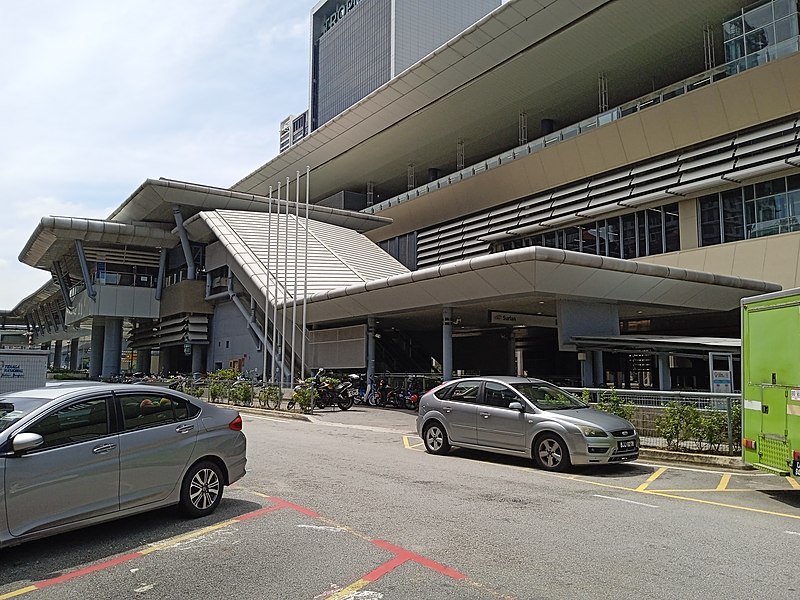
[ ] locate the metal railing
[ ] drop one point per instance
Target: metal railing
(675, 420)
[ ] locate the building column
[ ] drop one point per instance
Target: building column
(163, 361)
(74, 350)
(370, 349)
(57, 349)
(664, 378)
(112, 347)
(587, 369)
(143, 360)
(98, 339)
(197, 358)
(447, 343)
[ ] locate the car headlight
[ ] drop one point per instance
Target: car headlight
(592, 432)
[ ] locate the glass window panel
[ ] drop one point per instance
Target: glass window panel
(732, 28)
(672, 228)
(641, 234)
(654, 232)
(601, 237)
(793, 204)
(759, 39)
(589, 239)
(613, 237)
(629, 236)
(793, 182)
(758, 17)
(749, 194)
(732, 215)
(78, 422)
(709, 221)
(784, 8)
(734, 49)
(550, 239)
(786, 29)
(771, 187)
(572, 237)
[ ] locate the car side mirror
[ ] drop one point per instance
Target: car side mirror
(26, 441)
(516, 406)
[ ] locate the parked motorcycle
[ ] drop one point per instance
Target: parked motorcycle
(328, 394)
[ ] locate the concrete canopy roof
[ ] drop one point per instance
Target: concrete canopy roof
(540, 56)
(55, 237)
(530, 280)
(153, 201)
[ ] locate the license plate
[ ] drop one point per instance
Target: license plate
(627, 445)
(351, 392)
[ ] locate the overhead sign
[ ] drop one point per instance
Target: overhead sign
(512, 319)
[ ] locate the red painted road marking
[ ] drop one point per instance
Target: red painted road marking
(91, 569)
(413, 556)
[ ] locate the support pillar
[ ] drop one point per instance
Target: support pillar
(197, 359)
(57, 349)
(112, 347)
(98, 339)
(74, 350)
(447, 343)
(163, 361)
(370, 349)
(143, 360)
(664, 378)
(587, 369)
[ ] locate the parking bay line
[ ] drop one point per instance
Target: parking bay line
(624, 500)
(663, 493)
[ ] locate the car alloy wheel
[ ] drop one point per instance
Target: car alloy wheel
(551, 453)
(201, 491)
(435, 438)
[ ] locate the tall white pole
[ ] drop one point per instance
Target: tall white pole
(266, 292)
(285, 278)
(275, 275)
(305, 281)
(294, 291)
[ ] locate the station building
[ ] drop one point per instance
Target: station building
(578, 191)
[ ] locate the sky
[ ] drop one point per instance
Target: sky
(97, 96)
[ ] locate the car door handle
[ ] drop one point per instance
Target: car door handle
(103, 448)
(485, 415)
(184, 428)
(447, 409)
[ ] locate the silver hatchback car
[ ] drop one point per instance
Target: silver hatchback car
(523, 417)
(75, 456)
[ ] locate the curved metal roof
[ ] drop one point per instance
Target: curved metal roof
(55, 236)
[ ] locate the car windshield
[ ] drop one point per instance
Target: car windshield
(548, 397)
(13, 409)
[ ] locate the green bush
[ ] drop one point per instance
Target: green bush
(224, 374)
(216, 390)
(611, 402)
(270, 396)
(305, 394)
(241, 394)
(678, 424)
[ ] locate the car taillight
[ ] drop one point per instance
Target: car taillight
(236, 424)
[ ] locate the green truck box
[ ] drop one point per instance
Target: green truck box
(771, 382)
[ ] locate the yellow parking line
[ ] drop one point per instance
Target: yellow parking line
(651, 479)
(408, 445)
(19, 592)
(723, 482)
(793, 482)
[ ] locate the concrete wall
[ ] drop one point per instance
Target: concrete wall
(230, 340)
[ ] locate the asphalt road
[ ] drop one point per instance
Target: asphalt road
(350, 506)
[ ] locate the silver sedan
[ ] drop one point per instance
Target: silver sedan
(523, 417)
(76, 456)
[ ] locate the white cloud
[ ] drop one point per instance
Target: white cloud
(99, 96)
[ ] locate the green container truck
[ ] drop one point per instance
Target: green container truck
(771, 382)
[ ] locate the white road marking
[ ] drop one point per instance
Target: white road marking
(144, 588)
(624, 500)
(792, 532)
(322, 527)
(246, 416)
